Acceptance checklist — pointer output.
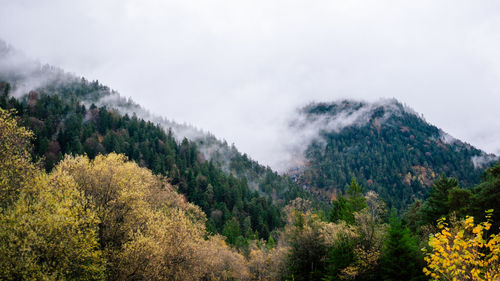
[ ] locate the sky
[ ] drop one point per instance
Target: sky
(239, 69)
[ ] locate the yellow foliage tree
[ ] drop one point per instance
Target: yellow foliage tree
(47, 227)
(15, 161)
(101, 219)
(220, 262)
(148, 231)
(464, 251)
(266, 264)
(50, 233)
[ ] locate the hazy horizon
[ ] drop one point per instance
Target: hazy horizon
(239, 70)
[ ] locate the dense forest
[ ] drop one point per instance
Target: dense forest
(388, 148)
(109, 219)
(62, 125)
(89, 192)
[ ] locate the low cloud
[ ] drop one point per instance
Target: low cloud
(27, 74)
(447, 138)
(292, 135)
(239, 68)
(306, 127)
(483, 160)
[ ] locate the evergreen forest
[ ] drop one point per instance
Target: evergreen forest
(91, 193)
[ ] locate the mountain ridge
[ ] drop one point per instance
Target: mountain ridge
(314, 125)
(365, 140)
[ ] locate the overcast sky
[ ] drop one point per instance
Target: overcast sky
(239, 68)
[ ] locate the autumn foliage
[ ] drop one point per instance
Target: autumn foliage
(464, 251)
(107, 218)
(100, 219)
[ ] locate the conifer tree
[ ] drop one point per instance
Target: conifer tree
(340, 211)
(437, 205)
(356, 200)
(401, 259)
(487, 195)
(340, 256)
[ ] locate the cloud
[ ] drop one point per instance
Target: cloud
(27, 74)
(447, 138)
(483, 160)
(240, 68)
(306, 126)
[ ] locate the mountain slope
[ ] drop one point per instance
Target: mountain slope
(65, 126)
(25, 75)
(70, 115)
(385, 145)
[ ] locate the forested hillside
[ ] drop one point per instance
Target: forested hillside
(101, 219)
(70, 115)
(386, 146)
(109, 219)
(89, 190)
(23, 75)
(63, 125)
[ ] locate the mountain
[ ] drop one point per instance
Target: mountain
(71, 115)
(385, 145)
(101, 217)
(25, 75)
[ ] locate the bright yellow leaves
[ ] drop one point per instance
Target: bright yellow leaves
(464, 251)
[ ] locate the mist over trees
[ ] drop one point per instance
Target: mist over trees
(64, 126)
(90, 194)
(386, 146)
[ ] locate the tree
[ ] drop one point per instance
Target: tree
(307, 241)
(168, 249)
(400, 258)
(486, 195)
(459, 200)
(265, 263)
(231, 230)
(344, 209)
(137, 210)
(50, 233)
(48, 229)
(437, 205)
(340, 211)
(16, 168)
(463, 251)
(340, 255)
(270, 243)
(148, 231)
(369, 231)
(356, 201)
(220, 262)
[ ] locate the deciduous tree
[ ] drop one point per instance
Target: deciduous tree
(464, 251)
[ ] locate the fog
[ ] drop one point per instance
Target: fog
(239, 69)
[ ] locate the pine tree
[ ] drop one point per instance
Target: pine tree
(340, 256)
(340, 211)
(437, 205)
(231, 230)
(401, 259)
(487, 195)
(270, 243)
(356, 200)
